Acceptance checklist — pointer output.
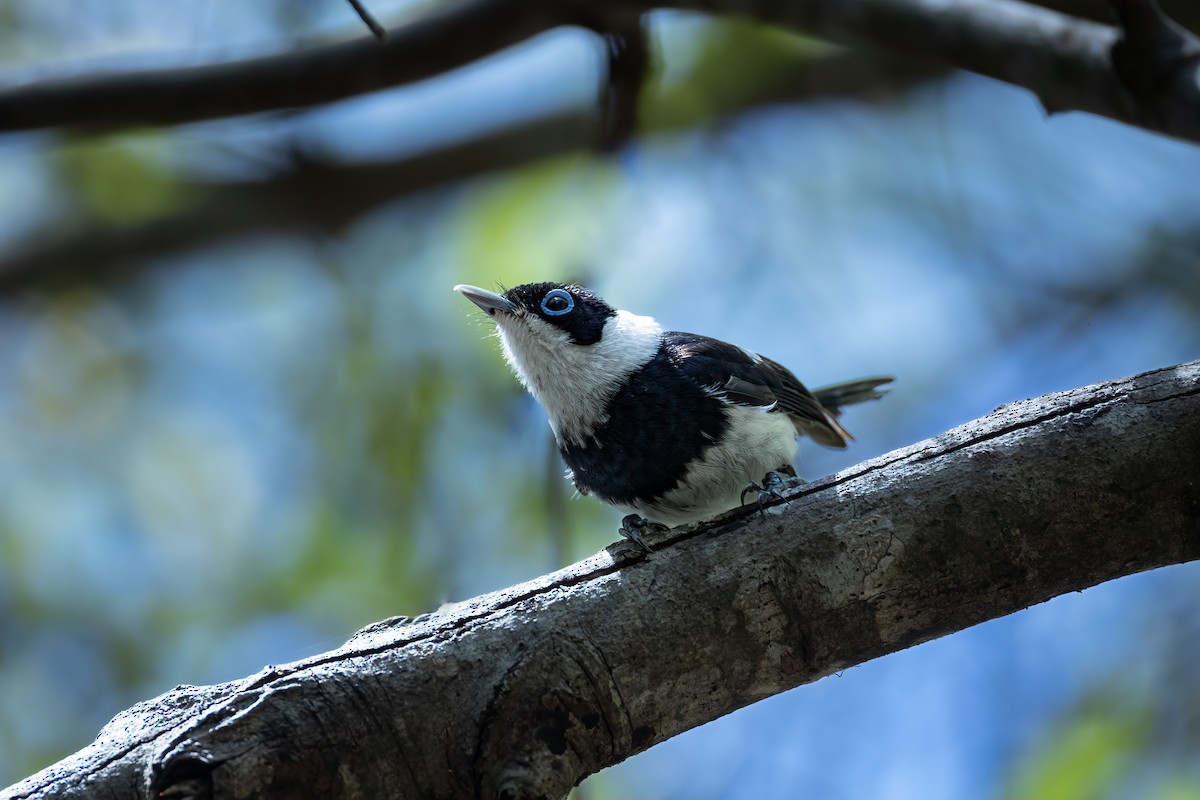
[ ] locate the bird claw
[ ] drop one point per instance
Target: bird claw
(773, 486)
(632, 527)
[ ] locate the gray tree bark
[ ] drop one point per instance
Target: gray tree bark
(523, 692)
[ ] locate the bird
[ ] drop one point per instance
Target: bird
(670, 427)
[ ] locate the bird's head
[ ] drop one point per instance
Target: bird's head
(548, 315)
(570, 348)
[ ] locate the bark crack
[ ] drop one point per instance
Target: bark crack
(614, 689)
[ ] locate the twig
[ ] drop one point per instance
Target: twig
(372, 23)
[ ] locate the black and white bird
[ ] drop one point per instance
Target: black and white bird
(670, 427)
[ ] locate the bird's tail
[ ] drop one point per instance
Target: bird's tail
(847, 393)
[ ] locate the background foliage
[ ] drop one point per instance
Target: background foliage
(236, 446)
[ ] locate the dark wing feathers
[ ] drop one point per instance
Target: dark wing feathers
(751, 393)
(748, 379)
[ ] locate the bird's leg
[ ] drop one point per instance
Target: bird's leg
(632, 527)
(774, 484)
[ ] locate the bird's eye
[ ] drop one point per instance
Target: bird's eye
(557, 302)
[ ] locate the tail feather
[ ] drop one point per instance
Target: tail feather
(847, 393)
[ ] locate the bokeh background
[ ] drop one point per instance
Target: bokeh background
(242, 414)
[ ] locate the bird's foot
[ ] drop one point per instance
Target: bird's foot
(774, 484)
(633, 526)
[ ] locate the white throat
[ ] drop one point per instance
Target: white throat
(574, 382)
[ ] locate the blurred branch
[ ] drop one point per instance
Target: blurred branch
(523, 692)
(1063, 59)
(1185, 12)
(1153, 54)
(445, 40)
(319, 196)
(628, 49)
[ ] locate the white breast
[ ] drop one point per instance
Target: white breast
(574, 383)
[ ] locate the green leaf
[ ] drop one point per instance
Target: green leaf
(123, 180)
(1085, 759)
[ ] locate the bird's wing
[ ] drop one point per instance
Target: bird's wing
(746, 378)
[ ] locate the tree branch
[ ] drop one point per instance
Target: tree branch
(1156, 59)
(523, 692)
(1063, 59)
(323, 196)
(1186, 12)
(627, 46)
(445, 40)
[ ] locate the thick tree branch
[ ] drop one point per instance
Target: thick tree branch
(1063, 59)
(523, 692)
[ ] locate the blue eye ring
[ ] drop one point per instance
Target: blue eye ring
(555, 297)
